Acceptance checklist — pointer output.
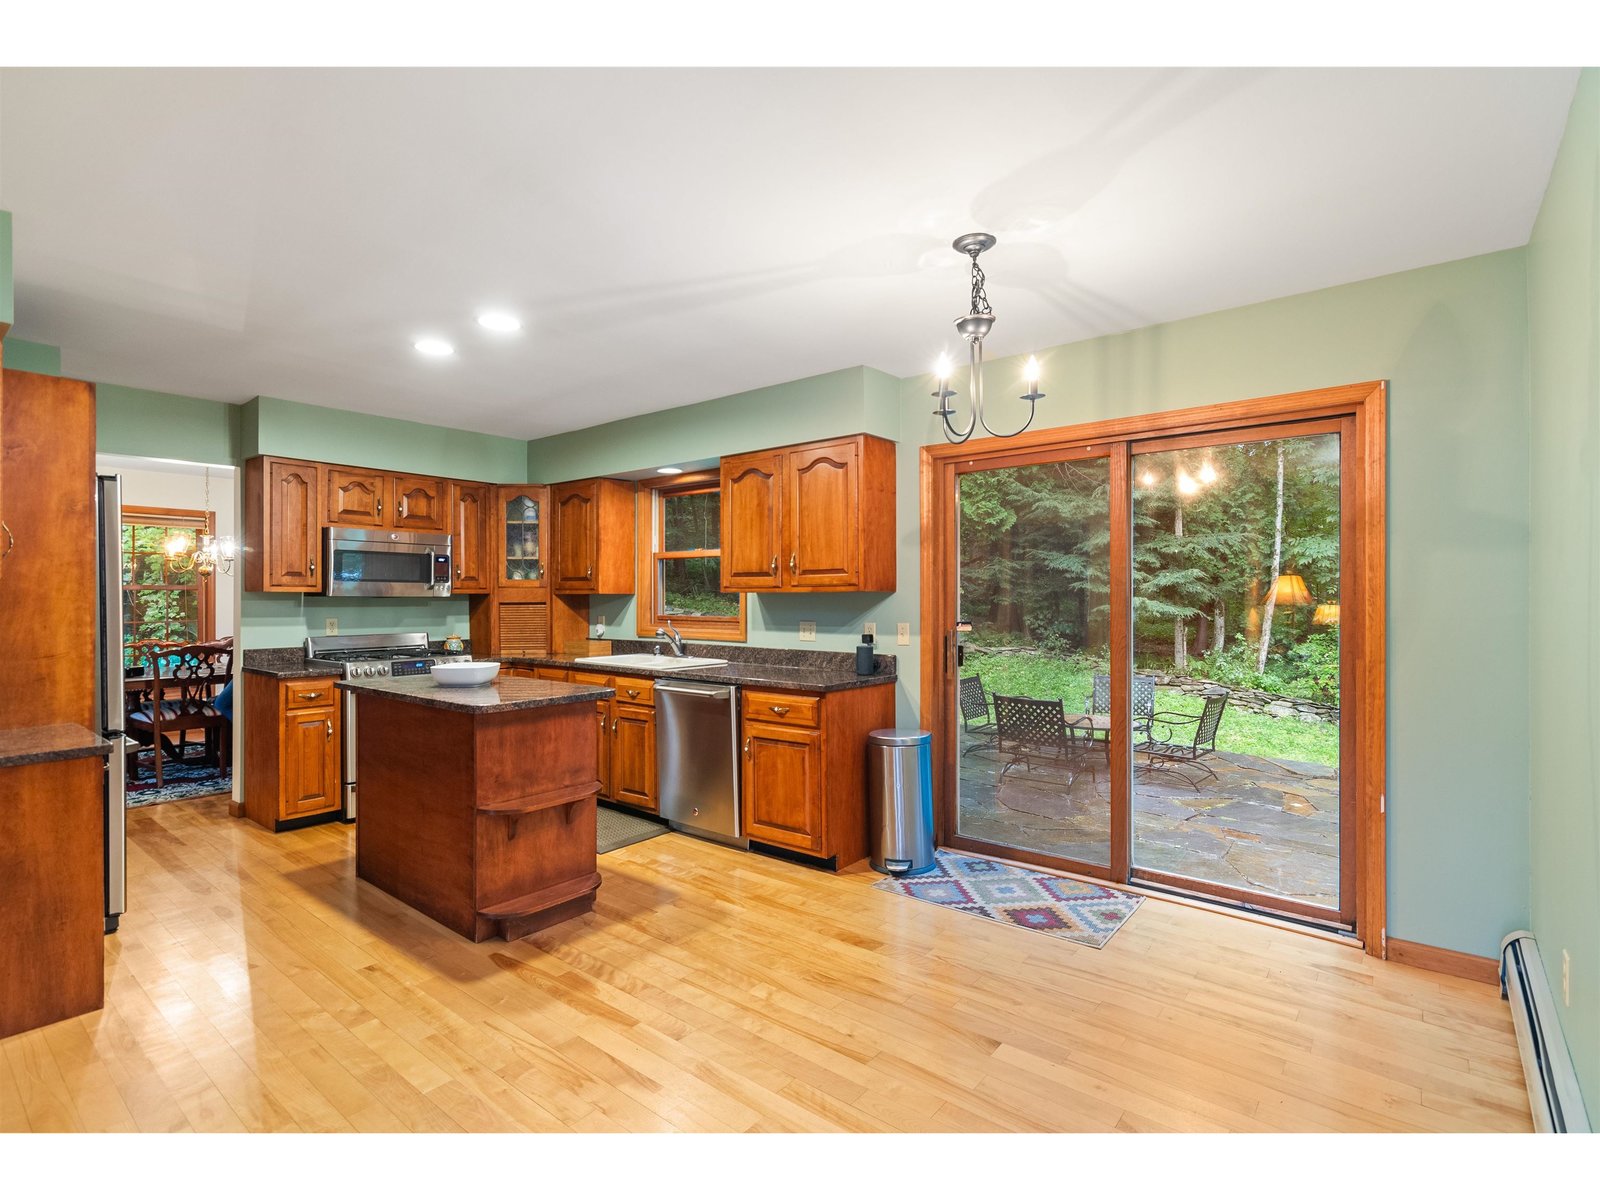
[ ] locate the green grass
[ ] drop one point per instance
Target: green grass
(1072, 679)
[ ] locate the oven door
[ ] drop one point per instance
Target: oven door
(386, 562)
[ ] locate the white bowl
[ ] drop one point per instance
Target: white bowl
(464, 674)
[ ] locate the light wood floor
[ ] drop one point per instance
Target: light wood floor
(257, 985)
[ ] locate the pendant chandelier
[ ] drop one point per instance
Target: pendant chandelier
(974, 327)
(182, 554)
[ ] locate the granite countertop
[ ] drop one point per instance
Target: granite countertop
(50, 743)
(287, 662)
(505, 694)
(784, 676)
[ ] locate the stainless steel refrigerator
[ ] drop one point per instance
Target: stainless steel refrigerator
(109, 687)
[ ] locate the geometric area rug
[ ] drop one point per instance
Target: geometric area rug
(1086, 913)
(180, 781)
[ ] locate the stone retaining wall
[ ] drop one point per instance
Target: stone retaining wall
(1265, 703)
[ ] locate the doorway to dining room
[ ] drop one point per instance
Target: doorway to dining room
(1162, 652)
(180, 614)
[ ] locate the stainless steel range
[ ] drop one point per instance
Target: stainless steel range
(371, 656)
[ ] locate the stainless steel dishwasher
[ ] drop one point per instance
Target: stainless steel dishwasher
(697, 757)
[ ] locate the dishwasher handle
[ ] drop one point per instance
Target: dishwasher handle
(710, 691)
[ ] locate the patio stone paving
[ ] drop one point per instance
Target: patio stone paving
(1263, 825)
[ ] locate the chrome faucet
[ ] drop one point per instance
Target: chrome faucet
(673, 637)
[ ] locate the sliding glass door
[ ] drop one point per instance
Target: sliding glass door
(1146, 666)
(1034, 697)
(1237, 564)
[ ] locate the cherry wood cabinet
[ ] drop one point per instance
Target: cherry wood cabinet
(625, 759)
(752, 525)
(522, 537)
(593, 541)
(283, 525)
(353, 497)
(418, 502)
(471, 518)
(803, 769)
(819, 517)
(292, 748)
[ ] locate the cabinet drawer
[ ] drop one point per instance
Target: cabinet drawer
(552, 674)
(633, 690)
(590, 679)
(782, 708)
(309, 693)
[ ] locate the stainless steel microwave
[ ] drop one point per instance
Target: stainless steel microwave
(385, 562)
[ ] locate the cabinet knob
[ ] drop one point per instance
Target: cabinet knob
(329, 724)
(311, 565)
(403, 508)
(772, 569)
(380, 506)
(792, 562)
(588, 572)
(458, 572)
(780, 709)
(747, 747)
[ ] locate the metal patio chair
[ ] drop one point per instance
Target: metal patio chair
(1185, 740)
(1144, 701)
(975, 719)
(1031, 732)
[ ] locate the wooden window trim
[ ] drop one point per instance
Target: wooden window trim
(192, 518)
(700, 629)
(1362, 408)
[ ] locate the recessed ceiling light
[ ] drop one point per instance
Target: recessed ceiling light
(669, 470)
(499, 322)
(434, 347)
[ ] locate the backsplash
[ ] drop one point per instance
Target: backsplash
(287, 619)
(766, 656)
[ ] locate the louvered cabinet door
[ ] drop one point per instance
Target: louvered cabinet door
(524, 629)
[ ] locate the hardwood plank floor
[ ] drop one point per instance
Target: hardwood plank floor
(256, 985)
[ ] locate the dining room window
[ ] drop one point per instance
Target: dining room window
(164, 599)
(681, 579)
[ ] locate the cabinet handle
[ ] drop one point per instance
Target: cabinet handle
(403, 507)
(311, 695)
(329, 724)
(747, 747)
(11, 541)
(588, 572)
(791, 562)
(311, 565)
(633, 691)
(380, 506)
(772, 569)
(458, 572)
(780, 709)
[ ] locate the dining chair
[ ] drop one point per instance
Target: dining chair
(184, 684)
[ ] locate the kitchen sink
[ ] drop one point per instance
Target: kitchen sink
(651, 662)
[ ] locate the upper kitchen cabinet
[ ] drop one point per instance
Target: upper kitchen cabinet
(471, 547)
(594, 530)
(813, 518)
(283, 521)
(419, 503)
(522, 548)
(354, 497)
(752, 522)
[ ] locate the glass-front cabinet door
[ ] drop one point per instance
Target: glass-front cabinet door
(523, 547)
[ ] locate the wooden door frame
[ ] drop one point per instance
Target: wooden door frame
(1363, 599)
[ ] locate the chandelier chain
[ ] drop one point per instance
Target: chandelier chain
(980, 302)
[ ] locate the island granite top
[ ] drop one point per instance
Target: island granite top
(783, 676)
(505, 694)
(50, 743)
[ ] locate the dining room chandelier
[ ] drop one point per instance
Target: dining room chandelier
(974, 327)
(203, 557)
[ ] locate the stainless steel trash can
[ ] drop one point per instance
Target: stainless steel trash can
(900, 800)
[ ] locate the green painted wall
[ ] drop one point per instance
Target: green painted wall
(1564, 318)
(32, 356)
(162, 425)
(7, 278)
(855, 400)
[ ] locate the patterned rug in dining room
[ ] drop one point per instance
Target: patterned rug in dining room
(1086, 913)
(179, 781)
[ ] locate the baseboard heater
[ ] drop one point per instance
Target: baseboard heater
(1546, 1065)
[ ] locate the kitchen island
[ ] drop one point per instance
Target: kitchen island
(478, 804)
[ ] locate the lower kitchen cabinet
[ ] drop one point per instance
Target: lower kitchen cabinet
(292, 730)
(803, 769)
(625, 758)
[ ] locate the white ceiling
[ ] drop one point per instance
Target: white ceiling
(673, 235)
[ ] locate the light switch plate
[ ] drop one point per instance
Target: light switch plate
(331, 626)
(870, 629)
(808, 631)
(903, 633)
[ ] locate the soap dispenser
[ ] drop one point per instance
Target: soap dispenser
(864, 655)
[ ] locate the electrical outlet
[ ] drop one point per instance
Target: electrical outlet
(903, 633)
(870, 629)
(1566, 979)
(599, 629)
(808, 631)
(331, 626)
